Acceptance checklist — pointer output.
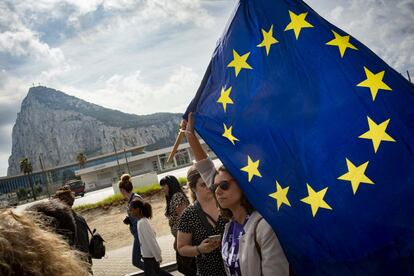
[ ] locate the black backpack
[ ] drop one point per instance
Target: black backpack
(96, 245)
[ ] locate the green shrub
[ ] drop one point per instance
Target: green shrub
(146, 189)
(38, 189)
(182, 180)
(117, 199)
(22, 193)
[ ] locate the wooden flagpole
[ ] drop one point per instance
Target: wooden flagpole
(180, 136)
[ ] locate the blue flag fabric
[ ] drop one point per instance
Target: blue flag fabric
(319, 133)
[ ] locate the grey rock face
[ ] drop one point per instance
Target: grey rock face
(58, 126)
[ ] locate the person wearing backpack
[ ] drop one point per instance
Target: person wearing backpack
(81, 240)
(125, 187)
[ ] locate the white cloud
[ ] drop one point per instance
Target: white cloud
(135, 95)
(5, 146)
(4, 164)
(145, 56)
(12, 89)
(22, 43)
(25, 43)
(336, 13)
(386, 27)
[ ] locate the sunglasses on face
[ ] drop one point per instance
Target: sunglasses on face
(224, 185)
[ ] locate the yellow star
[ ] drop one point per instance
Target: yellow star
(356, 175)
(252, 168)
(225, 97)
(377, 133)
(268, 39)
(297, 22)
(374, 82)
(227, 133)
(239, 62)
(342, 42)
(315, 199)
(280, 195)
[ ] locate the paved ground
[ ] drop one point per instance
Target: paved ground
(94, 196)
(118, 262)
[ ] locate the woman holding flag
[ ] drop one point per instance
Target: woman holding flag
(248, 239)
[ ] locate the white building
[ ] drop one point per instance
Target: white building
(105, 174)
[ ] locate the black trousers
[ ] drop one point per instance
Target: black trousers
(152, 268)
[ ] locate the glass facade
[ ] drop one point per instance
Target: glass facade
(55, 177)
(13, 184)
(182, 157)
(163, 162)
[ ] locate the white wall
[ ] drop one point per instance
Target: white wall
(140, 181)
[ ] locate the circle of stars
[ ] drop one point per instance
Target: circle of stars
(376, 132)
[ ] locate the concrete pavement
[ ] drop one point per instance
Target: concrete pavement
(118, 262)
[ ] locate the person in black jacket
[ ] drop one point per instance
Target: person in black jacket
(56, 216)
(81, 240)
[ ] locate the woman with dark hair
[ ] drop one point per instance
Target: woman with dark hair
(150, 249)
(125, 187)
(249, 244)
(176, 202)
(199, 223)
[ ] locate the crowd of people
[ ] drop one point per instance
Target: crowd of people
(219, 233)
(247, 243)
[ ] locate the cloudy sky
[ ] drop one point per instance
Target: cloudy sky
(142, 57)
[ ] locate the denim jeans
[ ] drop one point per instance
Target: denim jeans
(136, 254)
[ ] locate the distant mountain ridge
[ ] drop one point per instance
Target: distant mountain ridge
(58, 100)
(58, 126)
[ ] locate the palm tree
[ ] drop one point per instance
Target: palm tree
(27, 169)
(81, 158)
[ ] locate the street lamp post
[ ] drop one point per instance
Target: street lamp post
(44, 175)
(116, 154)
(126, 160)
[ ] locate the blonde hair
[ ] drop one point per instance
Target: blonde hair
(27, 249)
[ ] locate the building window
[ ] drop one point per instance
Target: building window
(104, 175)
(182, 158)
(163, 162)
(155, 165)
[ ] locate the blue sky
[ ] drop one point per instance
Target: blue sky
(149, 56)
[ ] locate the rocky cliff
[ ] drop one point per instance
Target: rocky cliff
(58, 126)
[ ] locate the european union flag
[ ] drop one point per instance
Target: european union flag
(319, 133)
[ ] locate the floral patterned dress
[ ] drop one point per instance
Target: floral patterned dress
(177, 200)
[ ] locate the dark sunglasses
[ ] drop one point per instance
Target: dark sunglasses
(224, 185)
